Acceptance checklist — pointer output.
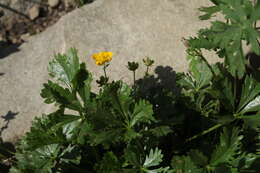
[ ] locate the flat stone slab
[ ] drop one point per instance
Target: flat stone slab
(131, 29)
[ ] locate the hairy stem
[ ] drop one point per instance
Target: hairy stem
(134, 77)
(104, 69)
(204, 132)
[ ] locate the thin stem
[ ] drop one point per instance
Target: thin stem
(255, 21)
(204, 132)
(147, 68)
(134, 77)
(104, 69)
(207, 63)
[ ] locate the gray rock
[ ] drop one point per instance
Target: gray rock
(131, 29)
(34, 12)
(53, 3)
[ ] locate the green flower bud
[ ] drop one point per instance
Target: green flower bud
(132, 66)
(148, 62)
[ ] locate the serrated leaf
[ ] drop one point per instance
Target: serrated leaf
(184, 164)
(143, 113)
(131, 134)
(43, 132)
(109, 163)
(153, 159)
(200, 71)
(230, 141)
(225, 38)
(82, 84)
(41, 160)
(104, 137)
(209, 12)
(252, 36)
(222, 89)
(159, 170)
(250, 90)
(198, 158)
(185, 81)
(65, 66)
(133, 156)
(252, 106)
(252, 121)
(52, 92)
(71, 154)
(161, 131)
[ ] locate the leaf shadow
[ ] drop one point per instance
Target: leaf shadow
(164, 78)
(254, 65)
(7, 118)
(7, 49)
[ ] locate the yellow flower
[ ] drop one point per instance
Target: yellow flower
(102, 57)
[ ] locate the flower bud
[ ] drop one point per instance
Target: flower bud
(132, 66)
(148, 62)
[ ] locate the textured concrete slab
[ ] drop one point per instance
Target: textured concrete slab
(132, 29)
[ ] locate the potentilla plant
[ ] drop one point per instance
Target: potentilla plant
(208, 123)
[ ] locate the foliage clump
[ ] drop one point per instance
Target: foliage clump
(208, 123)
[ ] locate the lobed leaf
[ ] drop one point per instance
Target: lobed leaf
(230, 141)
(64, 67)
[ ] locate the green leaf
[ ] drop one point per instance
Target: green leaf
(154, 158)
(230, 141)
(143, 113)
(252, 36)
(108, 164)
(252, 121)
(235, 59)
(225, 37)
(52, 92)
(82, 84)
(200, 70)
(71, 154)
(64, 67)
(104, 137)
(252, 106)
(248, 100)
(209, 12)
(184, 164)
(43, 132)
(161, 131)
(198, 158)
(41, 160)
(133, 156)
(185, 81)
(222, 89)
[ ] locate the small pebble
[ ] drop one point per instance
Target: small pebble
(53, 3)
(34, 12)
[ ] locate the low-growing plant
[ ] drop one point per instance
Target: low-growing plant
(208, 123)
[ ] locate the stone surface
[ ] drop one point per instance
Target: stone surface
(53, 3)
(131, 29)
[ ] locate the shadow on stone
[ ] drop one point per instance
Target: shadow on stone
(164, 78)
(6, 148)
(7, 118)
(1, 74)
(254, 65)
(7, 49)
